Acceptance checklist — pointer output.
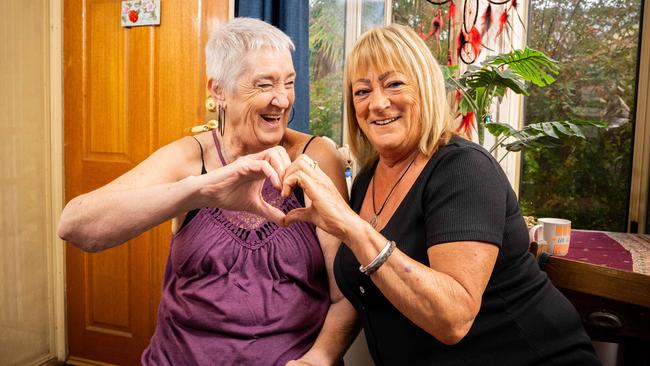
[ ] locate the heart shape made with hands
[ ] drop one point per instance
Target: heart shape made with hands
(252, 185)
(260, 183)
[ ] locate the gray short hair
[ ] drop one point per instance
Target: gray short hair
(230, 42)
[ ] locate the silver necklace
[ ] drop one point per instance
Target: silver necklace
(375, 214)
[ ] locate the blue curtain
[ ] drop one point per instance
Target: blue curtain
(292, 17)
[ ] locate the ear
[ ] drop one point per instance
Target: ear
(216, 91)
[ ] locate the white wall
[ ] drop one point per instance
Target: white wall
(27, 316)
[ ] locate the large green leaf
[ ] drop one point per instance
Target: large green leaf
(536, 135)
(529, 64)
(498, 129)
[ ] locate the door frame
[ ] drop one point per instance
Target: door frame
(56, 251)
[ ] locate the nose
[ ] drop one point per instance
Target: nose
(379, 100)
(281, 98)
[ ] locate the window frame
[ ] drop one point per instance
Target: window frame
(638, 205)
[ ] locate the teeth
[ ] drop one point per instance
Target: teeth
(386, 121)
(271, 117)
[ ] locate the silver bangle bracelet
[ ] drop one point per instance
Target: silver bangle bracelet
(379, 259)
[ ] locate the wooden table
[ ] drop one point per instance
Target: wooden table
(614, 302)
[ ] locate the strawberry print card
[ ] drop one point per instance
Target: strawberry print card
(140, 12)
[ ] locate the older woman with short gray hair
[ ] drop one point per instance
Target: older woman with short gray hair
(238, 289)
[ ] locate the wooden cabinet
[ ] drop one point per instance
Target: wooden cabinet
(614, 304)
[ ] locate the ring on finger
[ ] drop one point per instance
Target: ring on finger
(314, 164)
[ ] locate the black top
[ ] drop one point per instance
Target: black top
(463, 195)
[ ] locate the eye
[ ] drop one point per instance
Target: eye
(395, 84)
(361, 92)
(265, 86)
(289, 84)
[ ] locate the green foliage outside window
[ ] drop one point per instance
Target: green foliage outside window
(326, 47)
(587, 180)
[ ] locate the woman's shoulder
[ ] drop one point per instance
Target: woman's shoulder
(318, 148)
(181, 157)
(459, 149)
(294, 142)
(462, 159)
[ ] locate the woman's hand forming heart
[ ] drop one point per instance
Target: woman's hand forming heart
(238, 185)
(328, 210)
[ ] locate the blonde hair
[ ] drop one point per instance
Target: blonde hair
(230, 42)
(398, 48)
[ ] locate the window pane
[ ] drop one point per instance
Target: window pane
(587, 181)
(418, 14)
(372, 14)
(326, 57)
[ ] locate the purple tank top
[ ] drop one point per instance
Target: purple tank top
(240, 290)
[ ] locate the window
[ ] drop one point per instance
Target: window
(419, 15)
(334, 25)
(596, 44)
(326, 58)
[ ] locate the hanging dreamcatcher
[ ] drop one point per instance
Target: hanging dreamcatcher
(469, 39)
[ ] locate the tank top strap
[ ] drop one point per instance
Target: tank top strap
(218, 146)
(307, 144)
(203, 170)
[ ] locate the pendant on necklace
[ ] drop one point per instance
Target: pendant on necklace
(373, 220)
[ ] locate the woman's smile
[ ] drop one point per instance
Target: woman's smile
(272, 117)
(386, 121)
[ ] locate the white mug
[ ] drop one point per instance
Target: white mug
(555, 232)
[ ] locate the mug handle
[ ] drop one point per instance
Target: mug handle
(532, 233)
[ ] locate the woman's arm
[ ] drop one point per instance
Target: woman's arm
(340, 326)
(154, 191)
(442, 299)
(162, 187)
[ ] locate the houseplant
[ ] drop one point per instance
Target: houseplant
(482, 86)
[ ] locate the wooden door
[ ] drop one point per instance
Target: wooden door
(127, 92)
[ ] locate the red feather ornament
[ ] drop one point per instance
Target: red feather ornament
(487, 19)
(467, 124)
(436, 27)
(460, 42)
(458, 96)
(475, 41)
(452, 12)
(503, 20)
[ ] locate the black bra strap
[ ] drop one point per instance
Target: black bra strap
(307, 144)
(203, 170)
(190, 215)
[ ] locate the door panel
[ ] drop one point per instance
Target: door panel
(128, 91)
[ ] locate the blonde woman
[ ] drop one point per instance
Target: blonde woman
(435, 259)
